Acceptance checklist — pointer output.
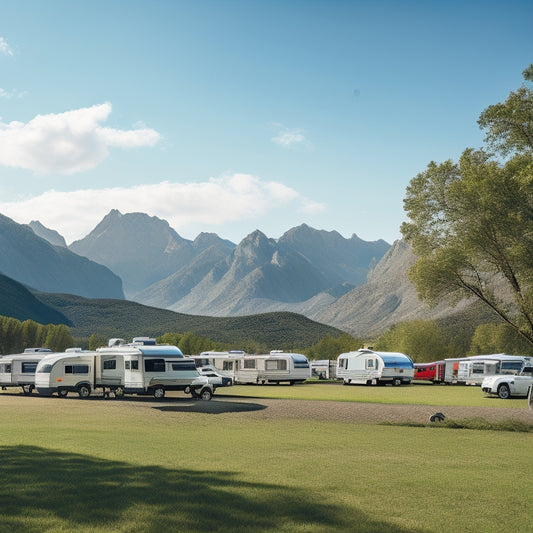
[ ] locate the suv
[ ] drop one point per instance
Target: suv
(506, 386)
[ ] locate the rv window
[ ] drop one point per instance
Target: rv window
(134, 364)
(127, 365)
(343, 363)
(5, 369)
(154, 365)
(29, 367)
(80, 369)
(370, 363)
(186, 365)
(249, 363)
(110, 364)
(68, 369)
(227, 365)
(202, 362)
(276, 364)
(46, 369)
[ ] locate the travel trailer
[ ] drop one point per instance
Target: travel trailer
(472, 370)
(433, 372)
(323, 368)
(276, 367)
(77, 370)
(372, 368)
(18, 370)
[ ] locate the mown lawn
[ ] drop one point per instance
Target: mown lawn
(137, 466)
(418, 393)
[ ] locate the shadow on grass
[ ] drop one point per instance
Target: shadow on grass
(48, 490)
(214, 407)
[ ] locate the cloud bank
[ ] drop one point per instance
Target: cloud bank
(66, 143)
(5, 48)
(212, 203)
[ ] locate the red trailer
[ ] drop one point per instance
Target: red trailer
(430, 371)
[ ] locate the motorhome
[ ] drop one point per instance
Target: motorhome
(275, 367)
(155, 369)
(372, 368)
(18, 370)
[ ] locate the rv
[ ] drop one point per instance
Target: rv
(472, 370)
(372, 368)
(80, 371)
(323, 368)
(18, 370)
(433, 372)
(151, 369)
(275, 367)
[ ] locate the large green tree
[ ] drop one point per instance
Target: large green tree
(471, 222)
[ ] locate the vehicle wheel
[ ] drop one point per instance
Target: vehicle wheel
(396, 382)
(27, 389)
(159, 393)
(504, 392)
(206, 394)
(187, 390)
(346, 382)
(119, 392)
(62, 393)
(84, 391)
(194, 394)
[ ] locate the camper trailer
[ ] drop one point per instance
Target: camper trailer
(78, 371)
(323, 368)
(372, 368)
(472, 370)
(275, 367)
(433, 372)
(155, 369)
(18, 370)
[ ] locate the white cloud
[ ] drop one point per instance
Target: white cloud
(5, 48)
(11, 94)
(290, 138)
(212, 203)
(66, 143)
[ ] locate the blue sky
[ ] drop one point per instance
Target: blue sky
(231, 116)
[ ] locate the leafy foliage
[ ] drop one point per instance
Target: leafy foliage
(471, 222)
(16, 336)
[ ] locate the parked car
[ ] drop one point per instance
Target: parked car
(214, 377)
(506, 386)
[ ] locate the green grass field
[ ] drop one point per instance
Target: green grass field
(418, 393)
(117, 466)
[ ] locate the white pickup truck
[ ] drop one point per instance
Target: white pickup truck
(506, 386)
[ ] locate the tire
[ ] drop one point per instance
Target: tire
(62, 393)
(119, 392)
(27, 389)
(187, 390)
(206, 394)
(396, 382)
(84, 391)
(504, 392)
(159, 393)
(194, 394)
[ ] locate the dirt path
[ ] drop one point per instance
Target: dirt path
(366, 413)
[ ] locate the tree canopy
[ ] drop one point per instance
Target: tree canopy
(471, 222)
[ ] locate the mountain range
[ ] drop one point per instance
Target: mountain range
(350, 284)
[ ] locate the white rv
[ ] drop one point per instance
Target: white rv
(151, 369)
(472, 370)
(371, 368)
(79, 371)
(276, 367)
(18, 370)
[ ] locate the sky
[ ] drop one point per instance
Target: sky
(230, 116)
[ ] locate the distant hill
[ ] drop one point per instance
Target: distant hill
(142, 250)
(52, 236)
(121, 318)
(33, 261)
(16, 301)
